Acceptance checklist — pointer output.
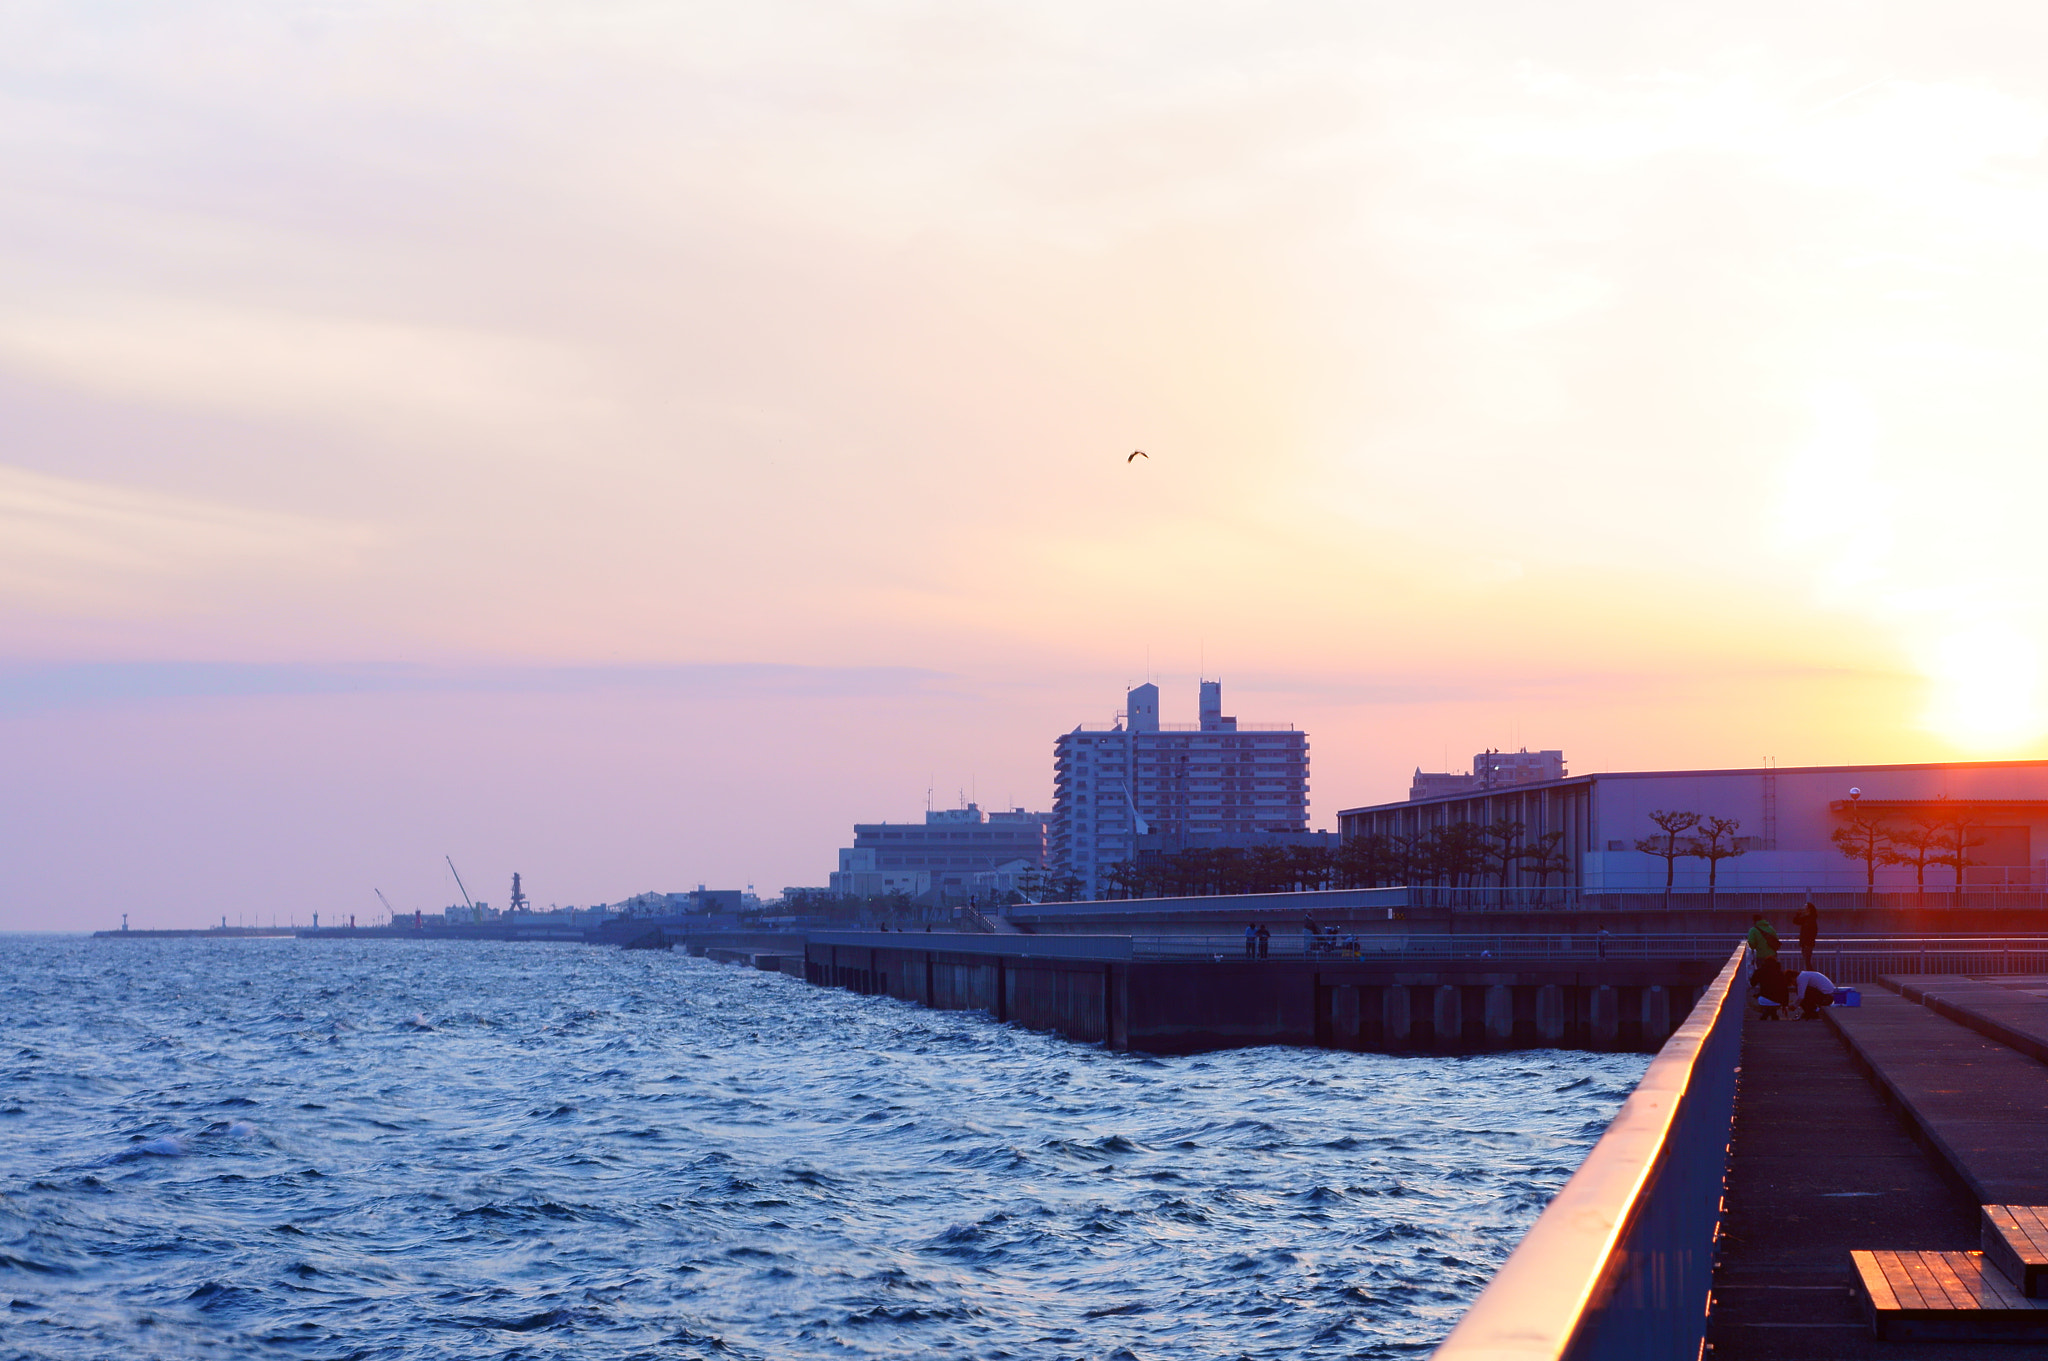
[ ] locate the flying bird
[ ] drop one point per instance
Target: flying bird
(1139, 453)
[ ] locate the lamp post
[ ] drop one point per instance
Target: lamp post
(1870, 878)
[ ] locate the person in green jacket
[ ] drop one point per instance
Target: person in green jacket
(1763, 938)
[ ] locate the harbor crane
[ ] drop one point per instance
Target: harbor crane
(466, 900)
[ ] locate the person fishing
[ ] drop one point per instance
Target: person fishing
(1807, 919)
(1810, 992)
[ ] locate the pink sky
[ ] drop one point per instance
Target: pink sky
(627, 444)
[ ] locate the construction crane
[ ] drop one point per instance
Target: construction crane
(466, 900)
(519, 900)
(386, 901)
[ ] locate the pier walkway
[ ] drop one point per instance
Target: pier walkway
(1775, 1188)
(1819, 1165)
(1885, 1129)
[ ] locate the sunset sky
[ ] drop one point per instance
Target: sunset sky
(627, 443)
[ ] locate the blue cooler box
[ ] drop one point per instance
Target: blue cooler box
(1848, 997)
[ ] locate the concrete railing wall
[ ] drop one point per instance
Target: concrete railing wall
(1619, 1265)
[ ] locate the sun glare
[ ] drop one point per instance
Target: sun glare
(1985, 691)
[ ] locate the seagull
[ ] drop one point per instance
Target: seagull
(1139, 453)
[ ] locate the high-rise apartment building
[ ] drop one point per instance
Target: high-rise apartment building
(1170, 783)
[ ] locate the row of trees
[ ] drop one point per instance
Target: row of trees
(1469, 854)
(1691, 836)
(1459, 854)
(1941, 838)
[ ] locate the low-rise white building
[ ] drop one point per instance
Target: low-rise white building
(1786, 816)
(947, 854)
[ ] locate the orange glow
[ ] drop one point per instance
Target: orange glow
(1659, 391)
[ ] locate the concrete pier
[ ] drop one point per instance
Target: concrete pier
(1819, 1165)
(1090, 989)
(1884, 1129)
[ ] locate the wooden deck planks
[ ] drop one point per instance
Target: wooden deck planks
(1962, 1294)
(1923, 1281)
(1876, 1286)
(2016, 1238)
(1945, 1295)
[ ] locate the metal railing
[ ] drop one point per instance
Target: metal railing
(1579, 945)
(1526, 898)
(1862, 959)
(1620, 1263)
(1844, 959)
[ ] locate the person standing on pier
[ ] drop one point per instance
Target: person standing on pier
(1265, 941)
(1763, 938)
(1251, 940)
(1808, 921)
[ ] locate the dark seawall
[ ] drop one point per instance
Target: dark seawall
(1086, 993)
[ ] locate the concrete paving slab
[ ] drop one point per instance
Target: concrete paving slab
(2012, 1010)
(1981, 1105)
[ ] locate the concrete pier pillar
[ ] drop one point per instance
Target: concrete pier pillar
(1450, 1015)
(1550, 1013)
(1656, 1014)
(1344, 1016)
(1500, 1014)
(1396, 1024)
(1606, 1015)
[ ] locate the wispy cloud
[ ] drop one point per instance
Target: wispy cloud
(33, 688)
(71, 543)
(379, 371)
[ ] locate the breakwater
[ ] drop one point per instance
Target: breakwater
(1093, 989)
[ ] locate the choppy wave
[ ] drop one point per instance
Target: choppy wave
(394, 1149)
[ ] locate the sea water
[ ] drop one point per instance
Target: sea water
(401, 1149)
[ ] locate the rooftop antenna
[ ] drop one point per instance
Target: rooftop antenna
(466, 902)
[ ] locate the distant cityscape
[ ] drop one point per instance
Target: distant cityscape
(1145, 808)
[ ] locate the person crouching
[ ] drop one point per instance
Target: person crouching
(1812, 991)
(1771, 984)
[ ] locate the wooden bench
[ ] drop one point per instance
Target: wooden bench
(2016, 1241)
(1946, 1297)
